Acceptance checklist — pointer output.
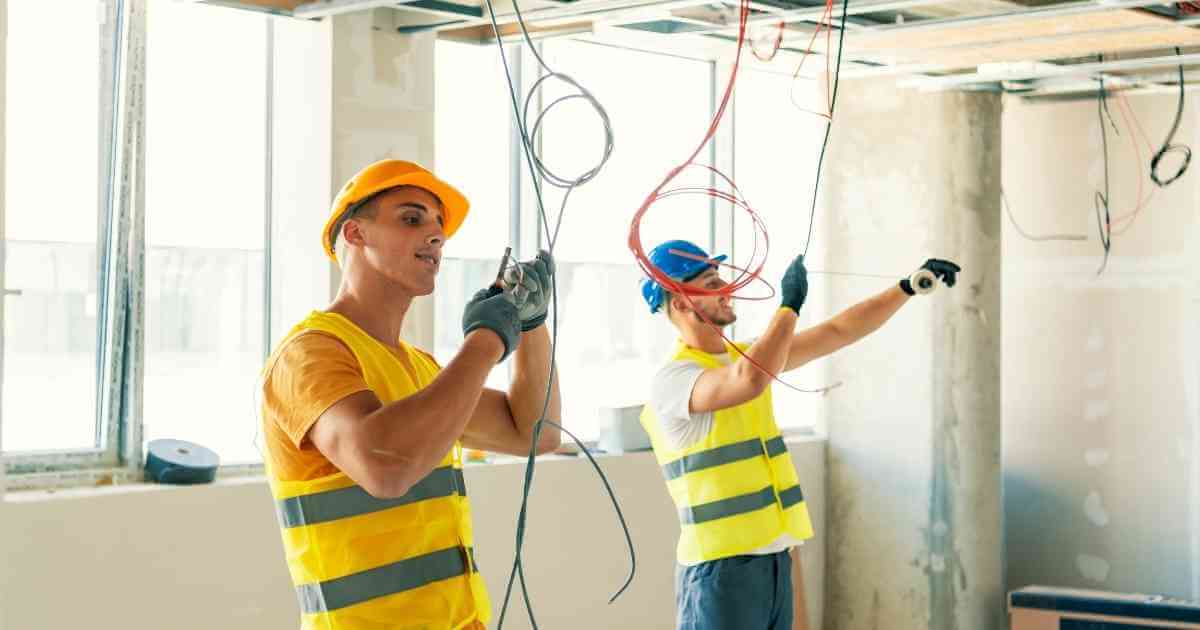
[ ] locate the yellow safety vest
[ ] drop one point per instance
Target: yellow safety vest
(362, 563)
(736, 490)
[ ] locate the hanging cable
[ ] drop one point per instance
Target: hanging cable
(1103, 216)
(1168, 147)
(812, 215)
(730, 194)
(1036, 237)
(541, 172)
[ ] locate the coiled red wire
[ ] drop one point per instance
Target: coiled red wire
(753, 269)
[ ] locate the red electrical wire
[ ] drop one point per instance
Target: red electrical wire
(826, 22)
(733, 196)
(1132, 123)
(774, 48)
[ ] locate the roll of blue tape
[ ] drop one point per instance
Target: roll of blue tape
(179, 462)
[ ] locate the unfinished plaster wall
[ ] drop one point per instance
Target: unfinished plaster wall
(383, 107)
(914, 433)
(1100, 399)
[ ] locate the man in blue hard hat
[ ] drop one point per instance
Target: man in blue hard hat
(711, 422)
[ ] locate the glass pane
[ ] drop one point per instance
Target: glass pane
(52, 225)
(205, 187)
(660, 107)
(472, 136)
(780, 191)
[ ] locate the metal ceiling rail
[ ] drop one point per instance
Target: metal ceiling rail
(326, 8)
(961, 80)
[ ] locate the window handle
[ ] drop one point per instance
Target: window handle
(12, 292)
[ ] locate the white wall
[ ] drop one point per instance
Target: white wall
(210, 557)
(1101, 408)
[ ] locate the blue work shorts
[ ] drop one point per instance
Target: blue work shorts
(738, 593)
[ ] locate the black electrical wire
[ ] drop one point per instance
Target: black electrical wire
(538, 167)
(1036, 237)
(1103, 214)
(812, 215)
(1167, 146)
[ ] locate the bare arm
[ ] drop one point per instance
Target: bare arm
(741, 381)
(845, 328)
(504, 423)
(387, 448)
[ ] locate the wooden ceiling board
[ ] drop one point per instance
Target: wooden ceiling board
(1006, 31)
(1081, 45)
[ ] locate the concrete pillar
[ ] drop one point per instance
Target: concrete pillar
(383, 93)
(914, 523)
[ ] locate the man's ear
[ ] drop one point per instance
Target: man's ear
(352, 232)
(679, 303)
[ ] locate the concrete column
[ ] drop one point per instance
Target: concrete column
(914, 523)
(383, 93)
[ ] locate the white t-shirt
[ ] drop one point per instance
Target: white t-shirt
(670, 398)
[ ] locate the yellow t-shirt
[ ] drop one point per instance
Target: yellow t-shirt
(313, 371)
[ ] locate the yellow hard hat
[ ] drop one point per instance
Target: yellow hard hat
(385, 175)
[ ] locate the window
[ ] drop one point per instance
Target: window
(206, 116)
(54, 225)
(609, 346)
(659, 105)
(780, 191)
(136, 304)
(472, 135)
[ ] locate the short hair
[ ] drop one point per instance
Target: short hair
(365, 208)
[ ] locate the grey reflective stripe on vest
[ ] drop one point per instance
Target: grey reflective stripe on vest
(775, 446)
(791, 497)
(713, 457)
(322, 507)
(389, 579)
(728, 507)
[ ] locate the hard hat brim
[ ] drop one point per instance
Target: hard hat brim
(455, 206)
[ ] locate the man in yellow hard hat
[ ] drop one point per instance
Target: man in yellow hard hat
(364, 432)
(712, 426)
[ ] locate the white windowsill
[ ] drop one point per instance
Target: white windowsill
(93, 483)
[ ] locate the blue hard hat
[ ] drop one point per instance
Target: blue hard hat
(682, 268)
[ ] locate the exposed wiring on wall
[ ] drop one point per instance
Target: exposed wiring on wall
(812, 216)
(568, 184)
(1167, 145)
(1036, 237)
(1103, 215)
(1121, 224)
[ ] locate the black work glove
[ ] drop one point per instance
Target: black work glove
(794, 287)
(943, 270)
(494, 309)
(533, 285)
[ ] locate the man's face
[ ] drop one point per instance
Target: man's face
(402, 237)
(715, 309)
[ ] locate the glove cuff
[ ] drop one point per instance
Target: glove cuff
(509, 346)
(534, 323)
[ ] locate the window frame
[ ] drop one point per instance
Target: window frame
(121, 247)
(122, 244)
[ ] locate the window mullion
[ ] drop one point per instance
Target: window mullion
(123, 408)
